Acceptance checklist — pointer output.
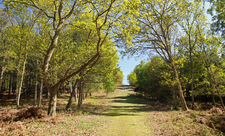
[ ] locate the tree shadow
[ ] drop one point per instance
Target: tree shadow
(131, 98)
(135, 106)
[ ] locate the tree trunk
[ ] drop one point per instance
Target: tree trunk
(192, 83)
(35, 92)
(83, 95)
(76, 94)
(72, 95)
(21, 79)
(52, 102)
(70, 86)
(212, 91)
(80, 99)
(47, 93)
(1, 75)
(18, 76)
(183, 101)
(10, 84)
(174, 98)
(40, 95)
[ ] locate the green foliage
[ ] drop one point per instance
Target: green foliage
(109, 85)
(153, 79)
(132, 78)
(218, 13)
(118, 76)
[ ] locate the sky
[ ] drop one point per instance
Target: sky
(127, 65)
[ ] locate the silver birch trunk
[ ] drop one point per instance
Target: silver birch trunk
(40, 95)
(10, 84)
(36, 83)
(2, 72)
(21, 79)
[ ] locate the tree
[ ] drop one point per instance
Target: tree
(109, 85)
(7, 53)
(118, 76)
(154, 27)
(63, 15)
(218, 13)
(191, 17)
(132, 78)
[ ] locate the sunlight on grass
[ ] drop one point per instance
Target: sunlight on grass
(120, 113)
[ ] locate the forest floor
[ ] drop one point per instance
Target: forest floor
(120, 113)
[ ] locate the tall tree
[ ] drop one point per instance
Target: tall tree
(191, 17)
(62, 14)
(155, 29)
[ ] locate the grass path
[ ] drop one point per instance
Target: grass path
(122, 113)
(127, 115)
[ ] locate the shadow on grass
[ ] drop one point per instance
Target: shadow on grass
(116, 114)
(133, 99)
(99, 97)
(135, 105)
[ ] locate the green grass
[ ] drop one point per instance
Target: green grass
(121, 113)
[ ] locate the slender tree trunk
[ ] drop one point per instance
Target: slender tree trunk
(192, 79)
(5, 84)
(72, 95)
(76, 94)
(183, 101)
(174, 97)
(21, 79)
(18, 75)
(70, 86)
(10, 84)
(35, 92)
(80, 99)
(83, 95)
(212, 91)
(2, 72)
(40, 95)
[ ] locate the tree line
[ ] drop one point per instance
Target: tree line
(50, 44)
(190, 57)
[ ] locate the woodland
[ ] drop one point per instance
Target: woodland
(69, 48)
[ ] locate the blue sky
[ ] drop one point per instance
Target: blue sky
(127, 65)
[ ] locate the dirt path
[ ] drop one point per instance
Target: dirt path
(127, 115)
